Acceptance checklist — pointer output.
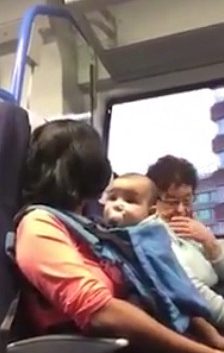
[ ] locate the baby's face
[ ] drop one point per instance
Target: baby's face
(127, 201)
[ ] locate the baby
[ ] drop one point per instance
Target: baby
(130, 199)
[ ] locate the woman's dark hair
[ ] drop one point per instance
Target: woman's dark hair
(66, 165)
(170, 170)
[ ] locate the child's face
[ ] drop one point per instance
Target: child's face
(127, 201)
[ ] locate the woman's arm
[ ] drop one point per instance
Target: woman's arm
(218, 261)
(214, 300)
(123, 319)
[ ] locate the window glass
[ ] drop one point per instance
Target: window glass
(204, 215)
(221, 156)
(144, 130)
(180, 124)
(221, 126)
(203, 198)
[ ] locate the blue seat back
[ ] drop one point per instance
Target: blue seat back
(14, 140)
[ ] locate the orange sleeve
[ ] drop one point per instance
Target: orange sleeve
(50, 260)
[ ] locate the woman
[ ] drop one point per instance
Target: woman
(197, 249)
(65, 168)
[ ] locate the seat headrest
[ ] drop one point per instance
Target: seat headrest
(14, 140)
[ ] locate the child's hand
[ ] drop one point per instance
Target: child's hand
(207, 333)
(218, 342)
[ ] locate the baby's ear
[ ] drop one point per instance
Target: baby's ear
(152, 210)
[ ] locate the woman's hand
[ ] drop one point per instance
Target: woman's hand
(190, 228)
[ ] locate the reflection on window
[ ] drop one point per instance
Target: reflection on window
(204, 215)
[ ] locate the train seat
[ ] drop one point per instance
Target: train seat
(14, 141)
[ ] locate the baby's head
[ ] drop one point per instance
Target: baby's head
(129, 200)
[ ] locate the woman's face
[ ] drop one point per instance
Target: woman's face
(176, 201)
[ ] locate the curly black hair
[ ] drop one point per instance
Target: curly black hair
(170, 170)
(66, 165)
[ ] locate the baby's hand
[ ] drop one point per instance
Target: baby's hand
(215, 340)
(218, 342)
(207, 333)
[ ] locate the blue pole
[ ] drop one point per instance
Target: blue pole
(24, 42)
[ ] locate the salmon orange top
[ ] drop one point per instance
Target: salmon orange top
(64, 270)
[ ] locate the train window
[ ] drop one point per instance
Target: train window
(205, 215)
(206, 197)
(186, 125)
(180, 124)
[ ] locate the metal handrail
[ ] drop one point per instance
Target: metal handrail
(24, 42)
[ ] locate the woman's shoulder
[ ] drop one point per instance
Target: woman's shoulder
(39, 233)
(34, 213)
(39, 222)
